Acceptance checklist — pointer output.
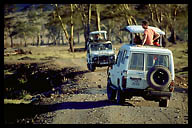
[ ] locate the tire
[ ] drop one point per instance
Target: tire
(111, 93)
(91, 67)
(120, 97)
(108, 68)
(164, 103)
(159, 77)
(88, 67)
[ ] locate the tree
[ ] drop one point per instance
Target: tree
(35, 19)
(167, 17)
(62, 23)
(9, 21)
(85, 13)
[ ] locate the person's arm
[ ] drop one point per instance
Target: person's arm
(144, 39)
(156, 36)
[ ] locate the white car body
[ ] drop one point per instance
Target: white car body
(116, 72)
(146, 71)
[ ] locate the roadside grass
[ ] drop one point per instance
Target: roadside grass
(41, 53)
(16, 101)
(180, 56)
(47, 52)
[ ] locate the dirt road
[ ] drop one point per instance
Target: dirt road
(90, 106)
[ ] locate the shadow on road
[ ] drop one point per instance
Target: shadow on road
(181, 90)
(12, 112)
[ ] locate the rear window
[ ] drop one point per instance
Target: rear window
(154, 59)
(137, 61)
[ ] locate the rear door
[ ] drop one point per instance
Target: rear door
(153, 59)
(135, 78)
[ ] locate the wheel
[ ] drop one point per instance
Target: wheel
(120, 97)
(111, 93)
(159, 77)
(88, 67)
(164, 103)
(91, 67)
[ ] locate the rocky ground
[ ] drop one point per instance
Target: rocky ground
(83, 100)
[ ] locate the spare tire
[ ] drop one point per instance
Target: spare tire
(159, 77)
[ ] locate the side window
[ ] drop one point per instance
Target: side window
(119, 58)
(123, 57)
(137, 61)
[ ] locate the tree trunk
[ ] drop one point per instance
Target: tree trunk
(134, 20)
(11, 37)
(88, 25)
(55, 39)
(173, 36)
(166, 31)
(62, 38)
(33, 40)
(152, 14)
(38, 39)
(71, 38)
(21, 42)
(156, 14)
(161, 16)
(78, 37)
(62, 24)
(109, 33)
(164, 41)
(85, 36)
(41, 37)
(84, 21)
(89, 19)
(127, 20)
(98, 17)
(48, 39)
(25, 39)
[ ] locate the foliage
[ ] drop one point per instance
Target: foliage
(41, 19)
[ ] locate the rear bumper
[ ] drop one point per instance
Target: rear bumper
(148, 94)
(161, 94)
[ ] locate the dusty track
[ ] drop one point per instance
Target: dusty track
(91, 105)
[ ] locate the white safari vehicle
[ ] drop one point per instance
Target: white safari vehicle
(99, 50)
(146, 71)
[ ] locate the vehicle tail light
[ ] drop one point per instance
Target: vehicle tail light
(124, 81)
(171, 87)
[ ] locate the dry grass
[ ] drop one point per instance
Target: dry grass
(47, 52)
(180, 56)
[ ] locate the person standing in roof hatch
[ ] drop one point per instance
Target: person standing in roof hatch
(149, 34)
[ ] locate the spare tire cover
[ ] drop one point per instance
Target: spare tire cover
(159, 77)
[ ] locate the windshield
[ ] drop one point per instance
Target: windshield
(98, 36)
(98, 47)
